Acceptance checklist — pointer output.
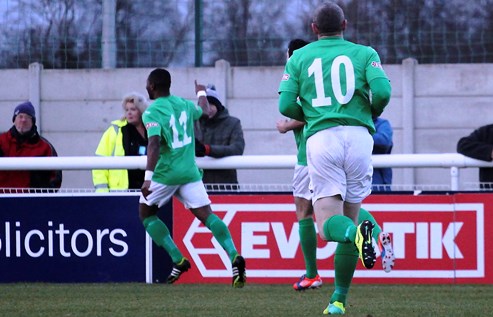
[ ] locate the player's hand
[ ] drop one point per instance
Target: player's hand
(199, 87)
(199, 148)
(145, 189)
(281, 126)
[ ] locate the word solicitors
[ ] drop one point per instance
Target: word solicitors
(56, 240)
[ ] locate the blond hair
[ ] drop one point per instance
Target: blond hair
(137, 99)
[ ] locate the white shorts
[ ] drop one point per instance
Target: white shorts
(339, 163)
(301, 182)
(192, 195)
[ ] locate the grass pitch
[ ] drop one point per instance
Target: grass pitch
(143, 300)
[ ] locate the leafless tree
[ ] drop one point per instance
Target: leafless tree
(245, 32)
(150, 32)
(50, 32)
(67, 33)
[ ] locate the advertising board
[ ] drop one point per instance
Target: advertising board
(436, 239)
(52, 238)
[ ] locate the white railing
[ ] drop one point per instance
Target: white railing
(454, 161)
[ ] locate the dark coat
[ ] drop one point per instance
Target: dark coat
(479, 145)
(224, 135)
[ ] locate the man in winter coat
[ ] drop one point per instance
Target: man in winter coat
(218, 136)
(23, 140)
(479, 145)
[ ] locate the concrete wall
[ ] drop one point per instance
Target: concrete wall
(432, 106)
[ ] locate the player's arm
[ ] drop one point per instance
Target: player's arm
(152, 158)
(289, 107)
(284, 126)
(202, 102)
(381, 91)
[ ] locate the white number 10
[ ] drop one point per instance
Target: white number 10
(315, 69)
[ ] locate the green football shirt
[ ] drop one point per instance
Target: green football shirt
(331, 77)
(171, 118)
(301, 145)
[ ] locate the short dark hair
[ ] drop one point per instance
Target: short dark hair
(329, 18)
(294, 45)
(161, 79)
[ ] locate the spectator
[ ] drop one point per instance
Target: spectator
(217, 136)
(24, 140)
(171, 171)
(382, 144)
(479, 145)
(125, 137)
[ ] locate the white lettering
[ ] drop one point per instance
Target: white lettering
(450, 246)
(422, 238)
(287, 247)
(7, 239)
(17, 240)
(121, 243)
(27, 244)
(399, 231)
(61, 232)
(100, 234)
(73, 242)
(436, 240)
(249, 240)
(430, 239)
(35, 242)
(50, 239)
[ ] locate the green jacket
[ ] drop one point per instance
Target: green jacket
(111, 144)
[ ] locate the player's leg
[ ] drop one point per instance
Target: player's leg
(326, 160)
(366, 215)
(358, 176)
(359, 170)
(306, 229)
(308, 242)
(345, 261)
(325, 155)
(195, 198)
(158, 230)
(383, 241)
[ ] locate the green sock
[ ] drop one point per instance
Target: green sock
(366, 215)
(339, 228)
(161, 236)
(308, 241)
(221, 232)
(345, 261)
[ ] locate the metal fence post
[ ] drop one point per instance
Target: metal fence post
(108, 40)
(35, 70)
(454, 178)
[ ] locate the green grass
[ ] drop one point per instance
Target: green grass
(254, 300)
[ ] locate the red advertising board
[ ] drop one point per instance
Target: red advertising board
(442, 239)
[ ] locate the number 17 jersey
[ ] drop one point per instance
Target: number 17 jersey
(331, 77)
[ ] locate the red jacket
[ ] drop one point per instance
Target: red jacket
(12, 144)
